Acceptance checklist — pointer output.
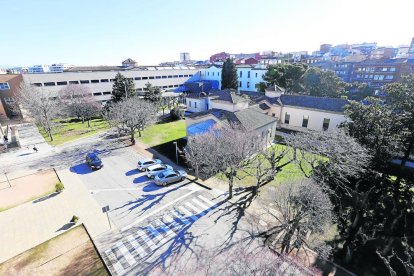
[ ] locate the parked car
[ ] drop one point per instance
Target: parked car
(93, 161)
(145, 163)
(153, 170)
(170, 176)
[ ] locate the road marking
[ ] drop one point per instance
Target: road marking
(157, 235)
(198, 211)
(205, 207)
(209, 202)
(156, 211)
(111, 190)
(188, 213)
(182, 219)
(116, 265)
(147, 240)
(128, 256)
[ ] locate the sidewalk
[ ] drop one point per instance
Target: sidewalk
(30, 224)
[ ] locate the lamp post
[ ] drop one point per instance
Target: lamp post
(126, 93)
(176, 152)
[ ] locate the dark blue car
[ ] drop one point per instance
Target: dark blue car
(93, 161)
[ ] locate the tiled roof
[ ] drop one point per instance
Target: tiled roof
(328, 104)
(230, 96)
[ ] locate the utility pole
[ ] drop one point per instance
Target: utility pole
(176, 152)
(125, 86)
(8, 182)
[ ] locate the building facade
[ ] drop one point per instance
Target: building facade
(9, 87)
(100, 79)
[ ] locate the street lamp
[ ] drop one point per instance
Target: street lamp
(125, 86)
(176, 152)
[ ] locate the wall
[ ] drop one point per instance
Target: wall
(14, 83)
(166, 80)
(315, 118)
(229, 106)
(212, 73)
(201, 104)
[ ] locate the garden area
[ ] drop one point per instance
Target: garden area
(70, 253)
(72, 129)
(163, 132)
(37, 186)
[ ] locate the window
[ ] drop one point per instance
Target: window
(241, 74)
(305, 121)
(144, 78)
(175, 76)
(195, 104)
(273, 115)
(94, 81)
(35, 84)
(213, 74)
(240, 84)
(49, 84)
(164, 77)
(62, 83)
(9, 100)
(84, 81)
(325, 124)
(389, 77)
(170, 77)
(208, 73)
(287, 118)
(106, 93)
(158, 77)
(97, 94)
(73, 82)
(218, 74)
(248, 74)
(392, 69)
(180, 76)
(104, 80)
(248, 84)
(151, 78)
(189, 103)
(4, 86)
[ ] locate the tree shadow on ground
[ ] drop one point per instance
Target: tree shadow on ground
(45, 197)
(234, 210)
(150, 199)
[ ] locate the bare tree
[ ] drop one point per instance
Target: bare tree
(268, 162)
(336, 155)
(304, 214)
(226, 150)
(134, 114)
(41, 105)
(79, 102)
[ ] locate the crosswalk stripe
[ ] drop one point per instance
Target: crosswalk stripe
(137, 247)
(157, 235)
(163, 229)
(114, 262)
(146, 239)
(128, 256)
(205, 207)
(209, 202)
(182, 219)
(187, 213)
(173, 224)
(197, 211)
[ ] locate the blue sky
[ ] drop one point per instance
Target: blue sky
(91, 32)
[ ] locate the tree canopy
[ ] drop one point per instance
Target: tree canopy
(123, 87)
(287, 76)
(229, 75)
(322, 83)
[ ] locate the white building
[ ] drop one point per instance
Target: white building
(248, 76)
(99, 79)
(36, 69)
(184, 57)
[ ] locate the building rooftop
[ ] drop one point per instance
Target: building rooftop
(328, 104)
(230, 96)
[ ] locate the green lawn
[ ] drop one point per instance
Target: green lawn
(161, 133)
(290, 172)
(71, 129)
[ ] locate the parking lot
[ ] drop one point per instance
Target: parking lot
(128, 192)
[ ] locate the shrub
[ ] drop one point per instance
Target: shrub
(176, 113)
(59, 187)
(74, 219)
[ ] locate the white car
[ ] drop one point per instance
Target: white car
(153, 170)
(145, 163)
(170, 176)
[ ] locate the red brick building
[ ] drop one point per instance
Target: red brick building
(219, 57)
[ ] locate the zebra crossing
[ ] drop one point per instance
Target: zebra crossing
(126, 253)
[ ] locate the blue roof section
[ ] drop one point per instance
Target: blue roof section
(200, 128)
(328, 104)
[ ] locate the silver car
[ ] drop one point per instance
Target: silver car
(145, 163)
(153, 170)
(170, 176)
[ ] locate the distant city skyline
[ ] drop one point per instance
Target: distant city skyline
(90, 33)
